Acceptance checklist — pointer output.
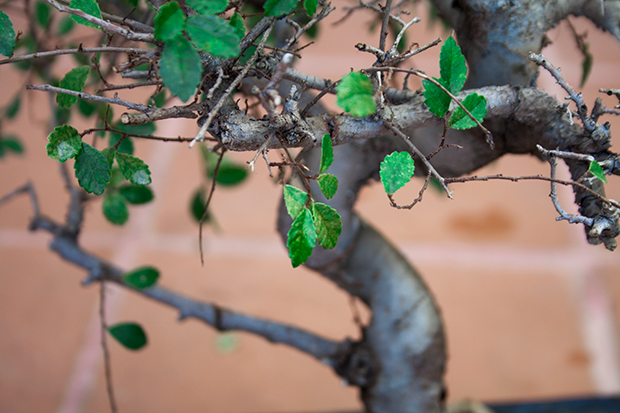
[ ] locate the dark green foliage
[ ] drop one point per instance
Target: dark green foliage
(130, 335)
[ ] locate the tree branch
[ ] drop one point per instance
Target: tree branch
(79, 50)
(115, 100)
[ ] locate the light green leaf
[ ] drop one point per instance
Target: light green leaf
(180, 67)
(134, 169)
(114, 208)
(141, 278)
(437, 100)
(42, 14)
(136, 194)
(213, 35)
(236, 21)
(328, 225)
(63, 143)
(207, 7)
(597, 170)
(295, 200)
(452, 66)
(7, 35)
(89, 7)
(301, 238)
(355, 95)
(279, 7)
(328, 184)
(91, 169)
(130, 335)
(327, 153)
(74, 80)
(476, 105)
(310, 6)
(169, 22)
(396, 170)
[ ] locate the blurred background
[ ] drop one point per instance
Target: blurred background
(531, 310)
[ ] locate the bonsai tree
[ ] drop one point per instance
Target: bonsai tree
(230, 66)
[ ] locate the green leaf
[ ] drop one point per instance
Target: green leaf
(213, 35)
(230, 174)
(13, 108)
(136, 194)
(396, 170)
(89, 7)
(86, 108)
(91, 169)
(116, 176)
(476, 105)
(295, 200)
(109, 154)
(7, 35)
(141, 278)
(452, 66)
(130, 335)
(42, 14)
(62, 116)
(310, 6)
(236, 22)
(74, 80)
(279, 7)
(355, 95)
(197, 206)
(134, 169)
(63, 143)
(180, 67)
(11, 143)
(327, 153)
(160, 99)
(328, 184)
(114, 208)
(328, 225)
(437, 100)
(207, 7)
(126, 145)
(169, 22)
(586, 64)
(301, 238)
(597, 170)
(65, 26)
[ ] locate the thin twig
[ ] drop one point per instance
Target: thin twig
(207, 203)
(415, 201)
(115, 100)
(387, 11)
(104, 347)
(79, 50)
(27, 187)
(130, 86)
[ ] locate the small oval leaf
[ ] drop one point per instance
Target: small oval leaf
(396, 170)
(141, 278)
(130, 335)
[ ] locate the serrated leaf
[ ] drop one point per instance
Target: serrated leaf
(452, 66)
(597, 170)
(130, 335)
(114, 208)
(180, 67)
(169, 22)
(91, 169)
(75, 80)
(279, 7)
(476, 105)
(236, 22)
(136, 194)
(328, 184)
(89, 7)
(295, 200)
(134, 169)
(42, 14)
(63, 143)
(141, 278)
(13, 108)
(7, 35)
(11, 143)
(213, 35)
(396, 170)
(109, 154)
(301, 238)
(65, 26)
(327, 153)
(437, 100)
(328, 225)
(207, 7)
(310, 6)
(355, 95)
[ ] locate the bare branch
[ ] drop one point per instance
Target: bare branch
(115, 100)
(154, 114)
(387, 11)
(79, 50)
